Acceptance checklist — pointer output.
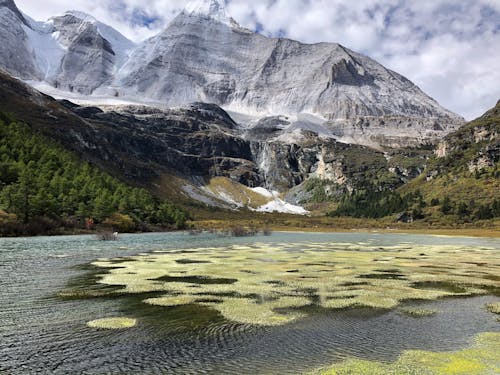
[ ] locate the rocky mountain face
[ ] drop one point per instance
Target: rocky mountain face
(190, 145)
(313, 122)
(89, 59)
(199, 58)
(475, 145)
(205, 56)
(73, 52)
(462, 178)
(140, 143)
(11, 6)
(16, 54)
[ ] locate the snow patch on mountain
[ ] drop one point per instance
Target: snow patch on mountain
(47, 50)
(213, 9)
(280, 206)
(263, 191)
(86, 100)
(277, 204)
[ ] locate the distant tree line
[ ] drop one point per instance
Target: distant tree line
(371, 203)
(39, 179)
(375, 204)
(470, 210)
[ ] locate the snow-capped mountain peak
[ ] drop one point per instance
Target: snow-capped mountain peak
(214, 9)
(81, 15)
(205, 56)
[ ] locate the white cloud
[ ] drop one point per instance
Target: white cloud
(448, 48)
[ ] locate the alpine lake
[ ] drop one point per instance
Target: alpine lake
(289, 303)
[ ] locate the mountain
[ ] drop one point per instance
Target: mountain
(71, 52)
(474, 147)
(161, 150)
(195, 152)
(460, 183)
(213, 114)
(205, 56)
(90, 59)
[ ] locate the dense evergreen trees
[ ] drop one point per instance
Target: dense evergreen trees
(39, 179)
(370, 203)
(470, 211)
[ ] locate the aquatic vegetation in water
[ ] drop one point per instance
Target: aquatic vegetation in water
(249, 311)
(494, 307)
(481, 358)
(268, 284)
(112, 323)
(417, 312)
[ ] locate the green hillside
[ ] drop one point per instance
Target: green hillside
(462, 181)
(460, 185)
(46, 189)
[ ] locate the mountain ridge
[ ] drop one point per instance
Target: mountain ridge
(193, 155)
(188, 146)
(205, 56)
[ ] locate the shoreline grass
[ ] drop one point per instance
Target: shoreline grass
(313, 224)
(486, 233)
(479, 233)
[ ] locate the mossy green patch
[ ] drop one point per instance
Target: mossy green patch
(481, 359)
(269, 284)
(418, 312)
(494, 307)
(112, 323)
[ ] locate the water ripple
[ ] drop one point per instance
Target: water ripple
(42, 333)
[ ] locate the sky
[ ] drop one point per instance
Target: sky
(449, 48)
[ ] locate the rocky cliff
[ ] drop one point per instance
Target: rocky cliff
(464, 173)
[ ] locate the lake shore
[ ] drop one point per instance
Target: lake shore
(293, 223)
(452, 232)
(469, 232)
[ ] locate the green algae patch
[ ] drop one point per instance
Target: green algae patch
(249, 311)
(112, 323)
(271, 284)
(493, 307)
(481, 359)
(417, 312)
